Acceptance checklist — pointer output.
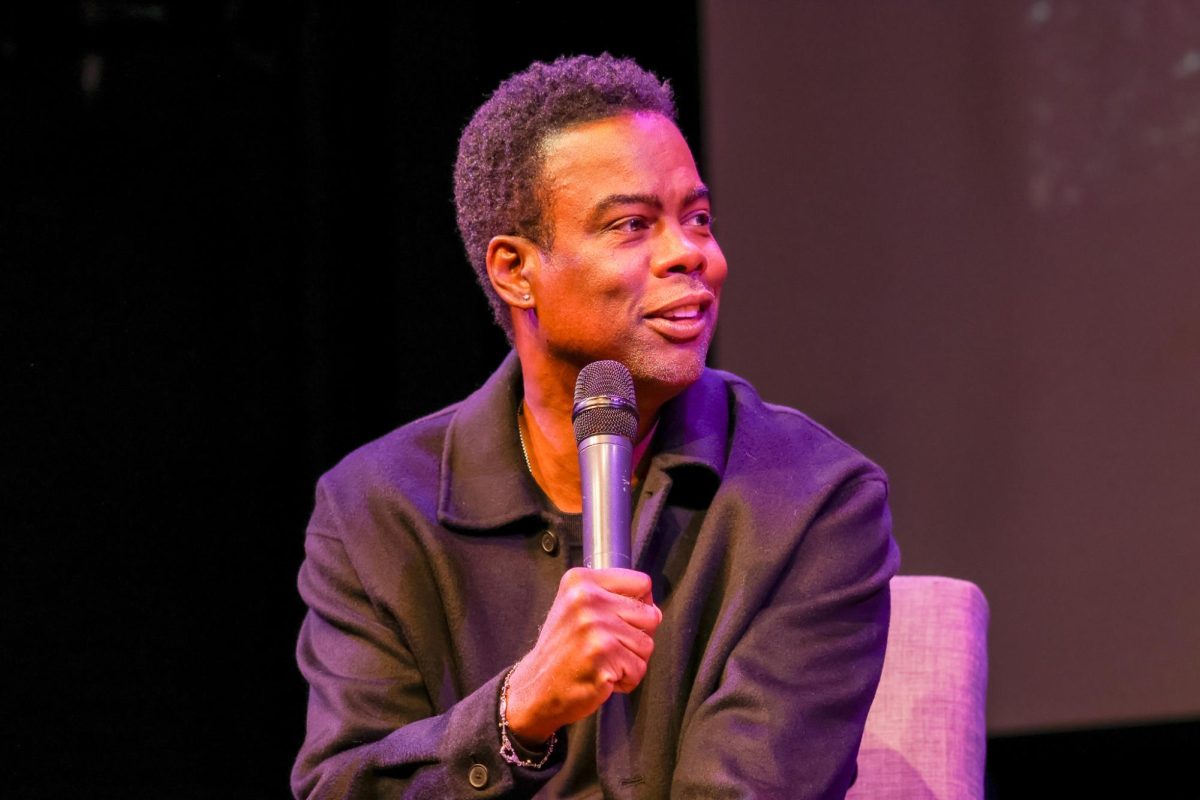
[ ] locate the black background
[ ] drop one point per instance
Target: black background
(229, 257)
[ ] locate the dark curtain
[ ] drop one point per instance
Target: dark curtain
(228, 254)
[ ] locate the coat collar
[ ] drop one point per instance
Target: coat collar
(485, 484)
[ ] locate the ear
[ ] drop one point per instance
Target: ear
(510, 262)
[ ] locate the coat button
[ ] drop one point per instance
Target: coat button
(549, 542)
(477, 776)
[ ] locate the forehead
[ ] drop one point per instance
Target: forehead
(631, 153)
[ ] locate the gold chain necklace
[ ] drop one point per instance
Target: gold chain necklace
(521, 436)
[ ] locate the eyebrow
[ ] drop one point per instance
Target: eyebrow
(700, 192)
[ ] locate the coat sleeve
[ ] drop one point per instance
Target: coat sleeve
(372, 730)
(786, 719)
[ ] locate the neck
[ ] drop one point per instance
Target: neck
(549, 438)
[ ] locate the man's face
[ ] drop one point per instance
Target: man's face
(634, 272)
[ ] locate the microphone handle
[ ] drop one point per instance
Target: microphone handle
(604, 468)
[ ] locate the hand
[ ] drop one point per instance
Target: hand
(597, 639)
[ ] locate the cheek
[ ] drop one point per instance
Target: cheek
(592, 290)
(598, 283)
(584, 304)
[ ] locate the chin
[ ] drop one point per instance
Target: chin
(667, 375)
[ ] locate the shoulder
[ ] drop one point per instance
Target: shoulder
(776, 439)
(789, 482)
(402, 466)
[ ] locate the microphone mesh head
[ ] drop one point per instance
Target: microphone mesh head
(605, 378)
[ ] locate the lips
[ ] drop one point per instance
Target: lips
(682, 312)
(683, 318)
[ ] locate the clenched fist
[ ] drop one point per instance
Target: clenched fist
(596, 640)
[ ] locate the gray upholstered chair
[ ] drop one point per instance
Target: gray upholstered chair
(925, 734)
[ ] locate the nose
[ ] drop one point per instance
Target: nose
(675, 251)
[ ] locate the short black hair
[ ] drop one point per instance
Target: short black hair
(497, 174)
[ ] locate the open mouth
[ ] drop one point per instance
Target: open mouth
(682, 312)
(683, 320)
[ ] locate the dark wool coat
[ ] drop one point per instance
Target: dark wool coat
(431, 560)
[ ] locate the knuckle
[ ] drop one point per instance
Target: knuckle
(576, 595)
(586, 620)
(595, 644)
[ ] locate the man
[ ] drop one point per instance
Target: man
(453, 645)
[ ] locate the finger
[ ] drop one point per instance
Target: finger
(601, 589)
(606, 635)
(628, 582)
(641, 615)
(629, 671)
(637, 642)
(627, 684)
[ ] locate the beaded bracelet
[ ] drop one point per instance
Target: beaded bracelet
(506, 747)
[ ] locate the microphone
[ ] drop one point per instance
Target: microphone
(605, 418)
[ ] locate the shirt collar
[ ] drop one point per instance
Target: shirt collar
(486, 484)
(693, 429)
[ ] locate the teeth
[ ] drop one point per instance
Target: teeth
(683, 312)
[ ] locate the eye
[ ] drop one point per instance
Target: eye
(700, 219)
(629, 225)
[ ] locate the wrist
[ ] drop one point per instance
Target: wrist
(517, 740)
(531, 728)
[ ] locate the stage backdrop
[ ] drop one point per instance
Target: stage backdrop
(968, 240)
